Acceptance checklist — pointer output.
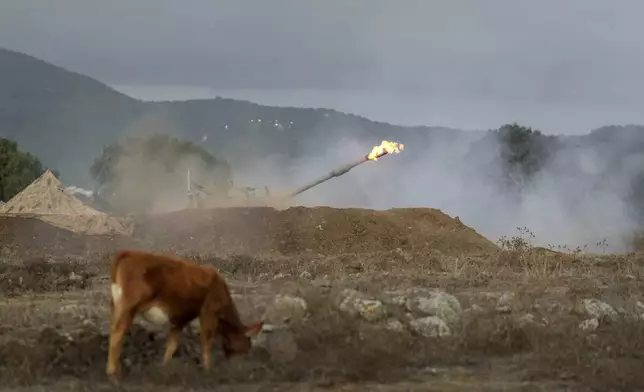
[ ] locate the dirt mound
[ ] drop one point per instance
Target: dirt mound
(30, 237)
(320, 230)
(261, 231)
(46, 195)
(47, 199)
(96, 224)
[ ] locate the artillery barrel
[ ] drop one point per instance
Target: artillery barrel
(342, 170)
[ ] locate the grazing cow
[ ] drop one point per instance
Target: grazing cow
(172, 291)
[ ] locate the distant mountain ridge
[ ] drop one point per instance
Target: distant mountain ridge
(65, 118)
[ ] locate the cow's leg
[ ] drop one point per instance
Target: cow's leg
(172, 343)
(209, 324)
(121, 322)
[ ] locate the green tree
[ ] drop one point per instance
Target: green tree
(509, 157)
(141, 171)
(18, 169)
(524, 152)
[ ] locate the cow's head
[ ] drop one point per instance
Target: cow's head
(238, 341)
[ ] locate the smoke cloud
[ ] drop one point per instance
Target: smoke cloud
(576, 200)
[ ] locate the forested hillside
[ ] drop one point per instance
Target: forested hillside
(66, 118)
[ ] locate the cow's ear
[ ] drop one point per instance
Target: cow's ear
(254, 329)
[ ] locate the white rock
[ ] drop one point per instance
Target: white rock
(268, 328)
(306, 275)
(505, 303)
(399, 300)
(394, 325)
(431, 327)
(284, 309)
(369, 309)
(597, 309)
(639, 305)
(589, 325)
(439, 304)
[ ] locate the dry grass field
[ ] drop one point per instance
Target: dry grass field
(355, 300)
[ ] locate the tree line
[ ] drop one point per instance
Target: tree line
(17, 169)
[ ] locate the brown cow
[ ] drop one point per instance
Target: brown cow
(172, 291)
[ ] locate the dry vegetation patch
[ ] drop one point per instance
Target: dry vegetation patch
(40, 275)
(330, 347)
(513, 314)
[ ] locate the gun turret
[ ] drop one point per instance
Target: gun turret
(342, 170)
(281, 199)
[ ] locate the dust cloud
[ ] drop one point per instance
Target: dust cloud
(149, 179)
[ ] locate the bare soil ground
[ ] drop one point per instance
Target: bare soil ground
(527, 319)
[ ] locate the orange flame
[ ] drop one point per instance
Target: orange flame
(385, 147)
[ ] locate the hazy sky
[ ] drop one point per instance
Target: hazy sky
(563, 65)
